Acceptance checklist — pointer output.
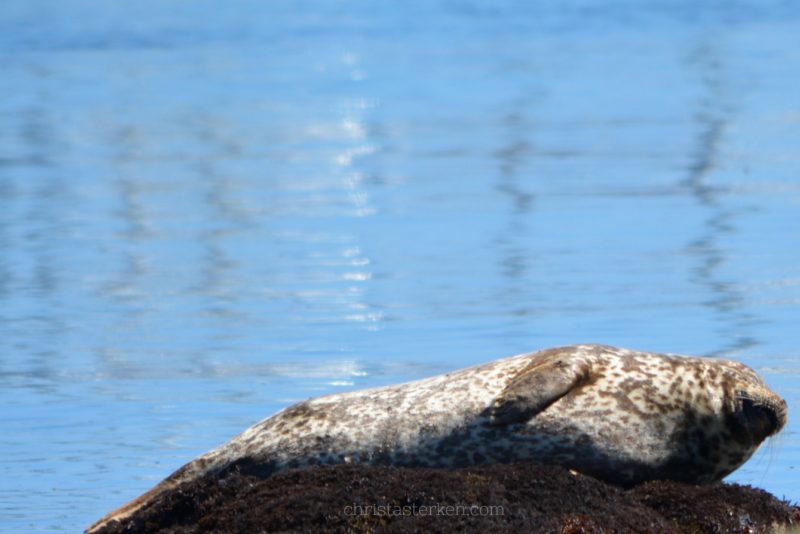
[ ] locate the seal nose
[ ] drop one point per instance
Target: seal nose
(780, 415)
(764, 418)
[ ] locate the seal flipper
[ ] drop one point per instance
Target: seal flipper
(536, 387)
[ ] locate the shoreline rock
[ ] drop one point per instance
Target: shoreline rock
(498, 498)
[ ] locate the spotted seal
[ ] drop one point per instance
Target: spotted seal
(620, 415)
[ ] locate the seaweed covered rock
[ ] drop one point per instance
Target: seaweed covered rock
(499, 498)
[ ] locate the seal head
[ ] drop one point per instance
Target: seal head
(626, 416)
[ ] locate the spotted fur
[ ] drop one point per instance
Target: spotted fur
(620, 415)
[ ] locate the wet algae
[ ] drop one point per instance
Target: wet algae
(500, 498)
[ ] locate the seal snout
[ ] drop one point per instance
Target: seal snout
(763, 416)
(777, 411)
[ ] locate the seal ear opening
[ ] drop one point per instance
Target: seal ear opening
(536, 387)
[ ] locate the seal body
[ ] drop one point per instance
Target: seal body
(620, 415)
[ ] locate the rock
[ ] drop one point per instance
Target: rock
(498, 498)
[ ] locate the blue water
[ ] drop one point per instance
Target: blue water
(209, 211)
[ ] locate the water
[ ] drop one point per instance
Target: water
(208, 213)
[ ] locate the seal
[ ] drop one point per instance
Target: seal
(619, 415)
